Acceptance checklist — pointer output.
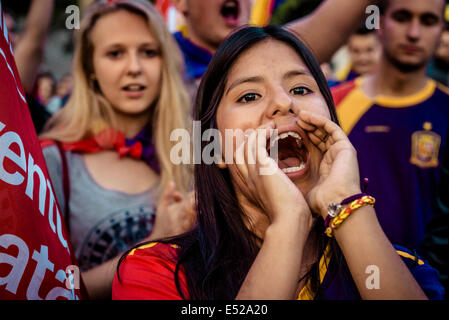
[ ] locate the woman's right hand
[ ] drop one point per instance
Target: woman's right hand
(175, 213)
(268, 185)
(289, 216)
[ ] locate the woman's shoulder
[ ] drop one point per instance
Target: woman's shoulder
(48, 146)
(52, 156)
(158, 255)
(51, 150)
(166, 250)
(148, 272)
(45, 143)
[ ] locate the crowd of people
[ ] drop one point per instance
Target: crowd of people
(362, 176)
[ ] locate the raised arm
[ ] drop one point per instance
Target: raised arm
(330, 25)
(29, 47)
(360, 238)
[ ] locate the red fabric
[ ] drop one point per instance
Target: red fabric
(107, 139)
(149, 274)
(46, 143)
(341, 91)
(35, 252)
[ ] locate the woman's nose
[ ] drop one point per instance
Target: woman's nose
(134, 65)
(282, 104)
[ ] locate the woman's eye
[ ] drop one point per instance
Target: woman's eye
(249, 97)
(151, 53)
(300, 91)
(114, 54)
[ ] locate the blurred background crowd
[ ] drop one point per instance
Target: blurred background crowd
(52, 82)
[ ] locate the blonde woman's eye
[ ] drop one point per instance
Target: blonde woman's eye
(151, 53)
(300, 91)
(249, 97)
(114, 54)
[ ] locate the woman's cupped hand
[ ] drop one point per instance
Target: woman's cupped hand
(266, 184)
(338, 169)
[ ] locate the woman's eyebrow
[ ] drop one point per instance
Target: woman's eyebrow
(149, 43)
(294, 73)
(256, 79)
(124, 44)
(259, 79)
(113, 45)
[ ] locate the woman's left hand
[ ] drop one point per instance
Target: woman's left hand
(175, 214)
(338, 170)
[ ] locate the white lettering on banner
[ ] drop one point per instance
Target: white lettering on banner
(32, 168)
(6, 140)
(39, 273)
(19, 264)
(60, 291)
(2, 53)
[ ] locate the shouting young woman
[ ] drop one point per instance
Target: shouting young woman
(306, 231)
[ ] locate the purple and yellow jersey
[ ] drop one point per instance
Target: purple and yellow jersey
(398, 143)
(196, 60)
(336, 282)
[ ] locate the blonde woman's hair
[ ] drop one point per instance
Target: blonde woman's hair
(87, 111)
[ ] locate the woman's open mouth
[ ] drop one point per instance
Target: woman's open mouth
(134, 90)
(292, 153)
(230, 11)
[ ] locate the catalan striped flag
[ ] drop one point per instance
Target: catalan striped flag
(262, 11)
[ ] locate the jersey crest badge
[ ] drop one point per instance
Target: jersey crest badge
(425, 147)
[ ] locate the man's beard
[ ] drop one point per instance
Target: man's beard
(403, 66)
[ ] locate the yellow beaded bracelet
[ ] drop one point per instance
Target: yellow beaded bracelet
(344, 214)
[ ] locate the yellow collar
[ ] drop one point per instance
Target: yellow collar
(406, 101)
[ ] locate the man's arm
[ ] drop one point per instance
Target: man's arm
(29, 47)
(330, 25)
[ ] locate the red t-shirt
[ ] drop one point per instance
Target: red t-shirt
(148, 273)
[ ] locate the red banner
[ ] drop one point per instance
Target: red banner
(35, 254)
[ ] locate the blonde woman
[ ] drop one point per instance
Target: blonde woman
(108, 149)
